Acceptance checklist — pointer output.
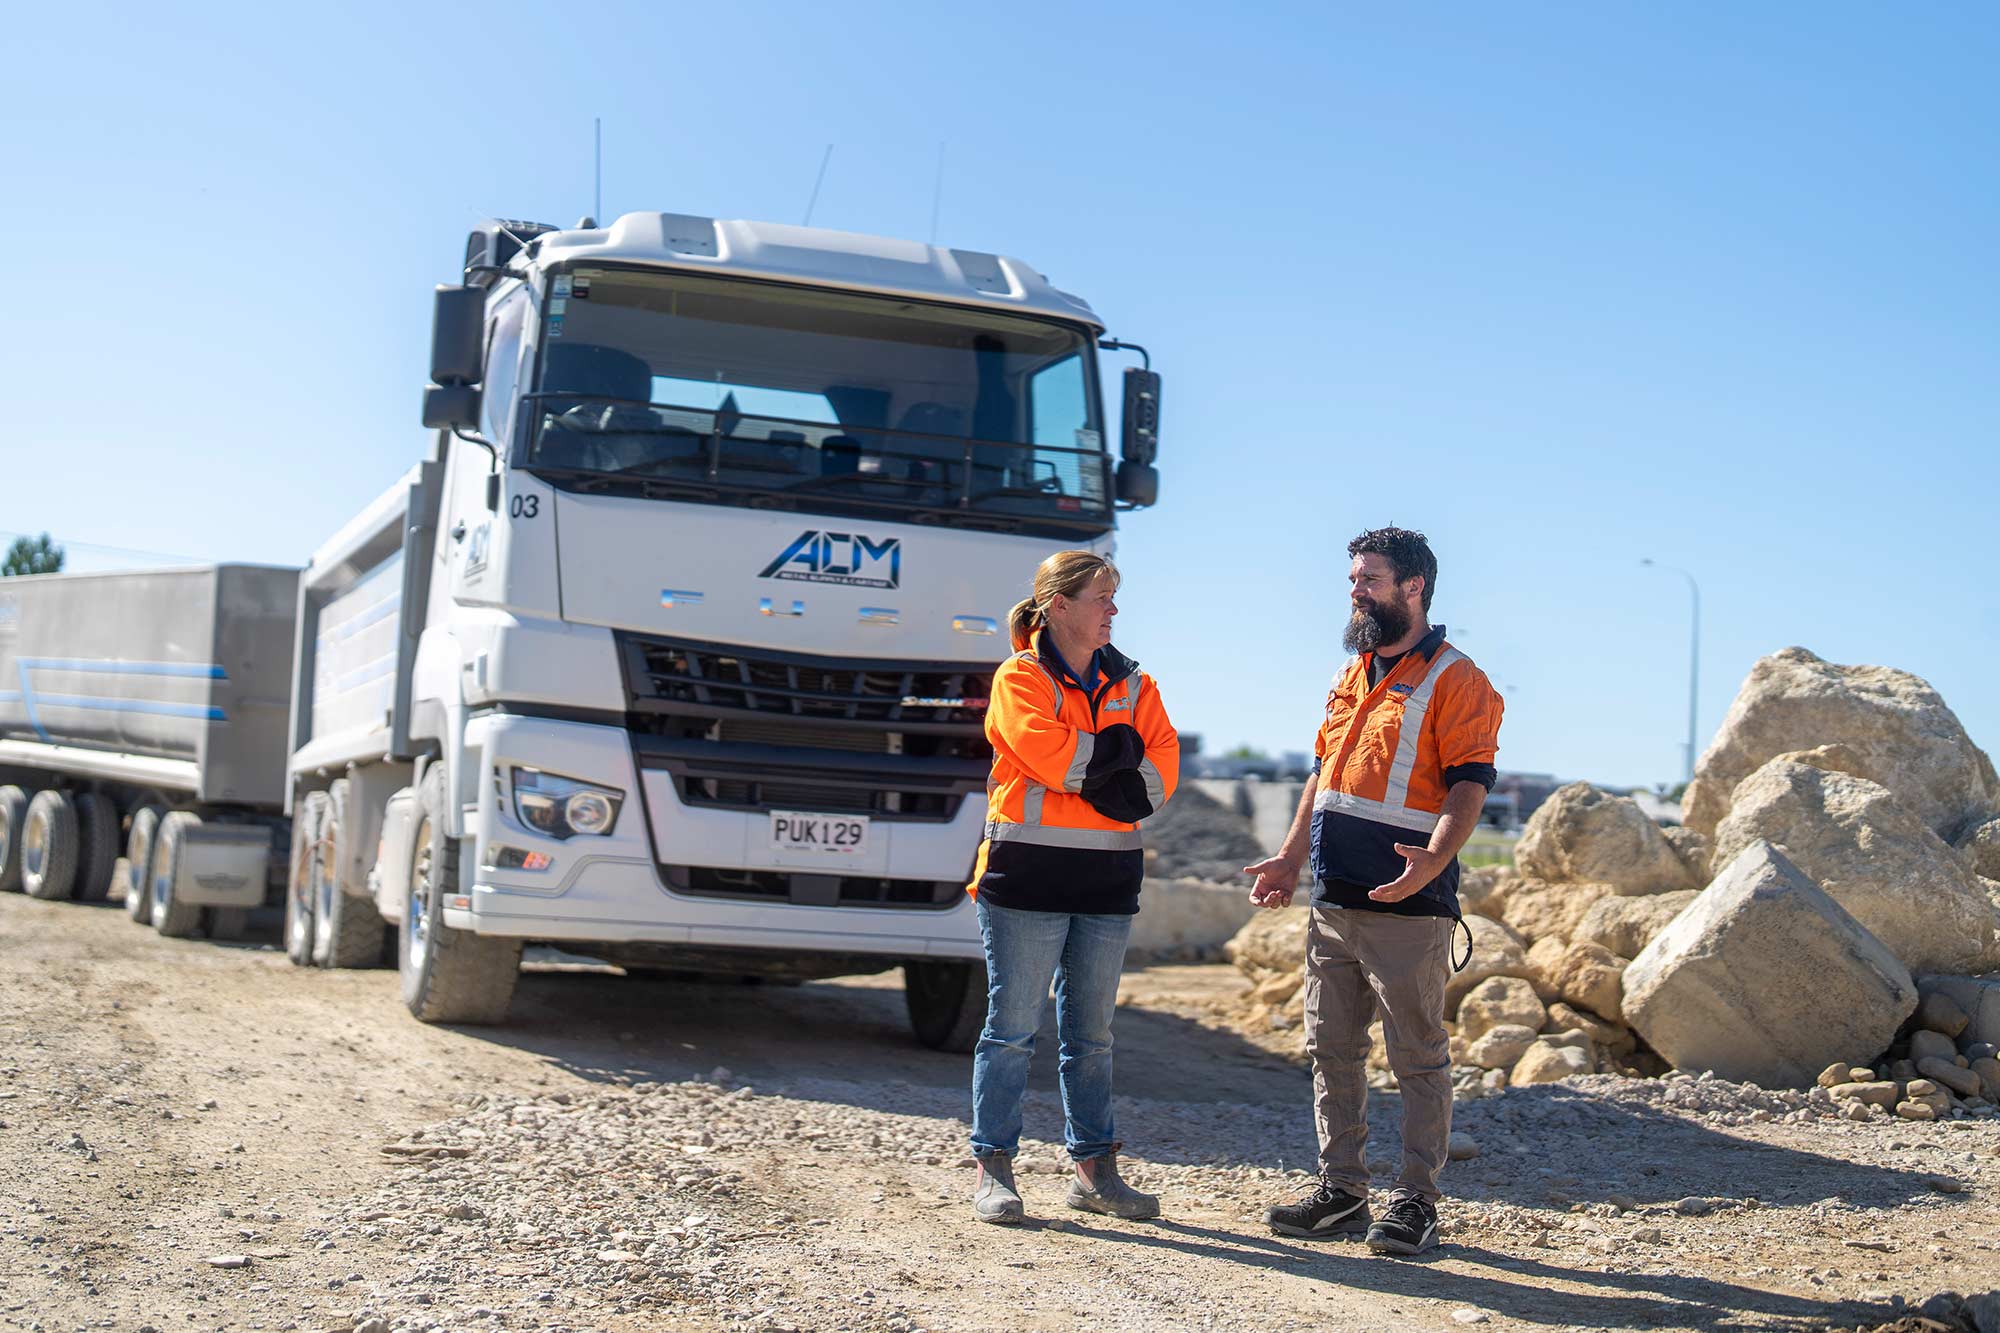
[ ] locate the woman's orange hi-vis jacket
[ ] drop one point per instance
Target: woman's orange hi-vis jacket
(1073, 774)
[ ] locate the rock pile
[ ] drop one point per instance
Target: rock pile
(1839, 861)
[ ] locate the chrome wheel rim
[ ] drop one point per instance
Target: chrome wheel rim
(35, 847)
(418, 913)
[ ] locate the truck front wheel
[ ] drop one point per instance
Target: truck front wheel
(947, 1003)
(49, 846)
(449, 976)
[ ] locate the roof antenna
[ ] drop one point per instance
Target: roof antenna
(818, 180)
(937, 192)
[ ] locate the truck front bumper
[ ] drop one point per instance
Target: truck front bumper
(610, 888)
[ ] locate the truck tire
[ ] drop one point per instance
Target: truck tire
(347, 931)
(138, 857)
(177, 920)
(947, 1003)
(13, 812)
(49, 846)
(310, 812)
(449, 976)
(97, 843)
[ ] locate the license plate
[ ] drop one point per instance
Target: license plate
(793, 831)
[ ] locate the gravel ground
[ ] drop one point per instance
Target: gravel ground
(637, 1154)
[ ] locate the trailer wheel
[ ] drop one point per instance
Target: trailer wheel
(49, 846)
(97, 841)
(175, 919)
(310, 813)
(138, 855)
(947, 1003)
(13, 812)
(347, 931)
(449, 976)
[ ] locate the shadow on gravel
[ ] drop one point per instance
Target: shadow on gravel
(612, 1028)
(1189, 1095)
(1515, 1288)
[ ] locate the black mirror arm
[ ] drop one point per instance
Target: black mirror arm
(484, 443)
(1114, 345)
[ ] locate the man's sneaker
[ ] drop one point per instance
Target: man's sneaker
(1106, 1191)
(994, 1198)
(1320, 1213)
(1409, 1225)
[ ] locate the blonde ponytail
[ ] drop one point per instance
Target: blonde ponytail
(1064, 574)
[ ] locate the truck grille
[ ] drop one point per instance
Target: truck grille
(667, 676)
(823, 798)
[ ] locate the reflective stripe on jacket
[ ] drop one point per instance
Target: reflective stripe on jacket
(1058, 756)
(1381, 757)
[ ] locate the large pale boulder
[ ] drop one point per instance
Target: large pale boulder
(1496, 952)
(1860, 844)
(1584, 834)
(1537, 908)
(1188, 918)
(1545, 955)
(1627, 925)
(1591, 977)
(1271, 941)
(1500, 1000)
(1896, 728)
(1766, 979)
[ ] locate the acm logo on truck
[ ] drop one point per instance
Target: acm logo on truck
(846, 558)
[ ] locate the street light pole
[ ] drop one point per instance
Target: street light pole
(1694, 654)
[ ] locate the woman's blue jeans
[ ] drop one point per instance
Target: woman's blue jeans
(1024, 950)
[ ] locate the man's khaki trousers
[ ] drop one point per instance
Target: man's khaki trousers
(1357, 962)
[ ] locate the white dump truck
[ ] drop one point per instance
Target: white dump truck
(675, 650)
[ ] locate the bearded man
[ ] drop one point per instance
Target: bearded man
(1401, 768)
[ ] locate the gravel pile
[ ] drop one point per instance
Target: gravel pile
(1197, 837)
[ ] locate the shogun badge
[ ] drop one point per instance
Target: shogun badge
(846, 558)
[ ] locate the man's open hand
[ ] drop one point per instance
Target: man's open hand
(1277, 879)
(1421, 866)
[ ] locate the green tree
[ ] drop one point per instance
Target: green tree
(1245, 751)
(32, 555)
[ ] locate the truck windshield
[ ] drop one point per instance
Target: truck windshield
(740, 392)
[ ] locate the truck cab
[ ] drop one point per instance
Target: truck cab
(675, 651)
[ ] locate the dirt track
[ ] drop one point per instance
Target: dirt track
(166, 1102)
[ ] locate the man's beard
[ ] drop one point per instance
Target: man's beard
(1375, 624)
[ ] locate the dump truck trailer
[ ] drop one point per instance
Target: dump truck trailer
(145, 715)
(674, 647)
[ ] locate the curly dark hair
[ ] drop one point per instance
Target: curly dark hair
(1407, 552)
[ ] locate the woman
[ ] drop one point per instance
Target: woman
(1082, 751)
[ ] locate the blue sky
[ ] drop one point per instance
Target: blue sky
(1563, 285)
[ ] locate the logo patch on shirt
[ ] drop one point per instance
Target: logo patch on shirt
(1404, 690)
(1117, 704)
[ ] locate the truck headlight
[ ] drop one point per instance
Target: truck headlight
(560, 807)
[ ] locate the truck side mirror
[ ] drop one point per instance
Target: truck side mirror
(451, 407)
(1138, 484)
(1141, 418)
(458, 336)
